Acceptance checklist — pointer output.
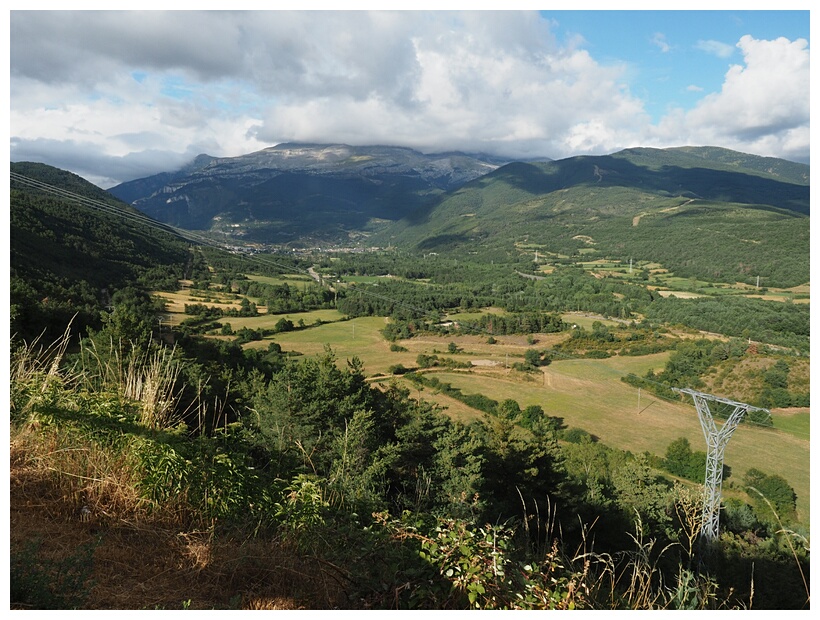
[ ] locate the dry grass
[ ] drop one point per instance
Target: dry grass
(147, 378)
(140, 563)
(69, 490)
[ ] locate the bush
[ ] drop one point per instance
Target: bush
(576, 435)
(681, 461)
(39, 583)
(773, 497)
(397, 369)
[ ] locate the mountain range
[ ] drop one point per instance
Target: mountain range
(700, 212)
(333, 193)
(319, 192)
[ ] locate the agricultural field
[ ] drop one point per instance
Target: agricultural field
(589, 394)
(585, 393)
(268, 321)
(175, 301)
(668, 284)
(360, 337)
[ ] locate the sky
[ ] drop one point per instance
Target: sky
(118, 95)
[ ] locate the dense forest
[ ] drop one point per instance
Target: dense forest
(249, 477)
(70, 256)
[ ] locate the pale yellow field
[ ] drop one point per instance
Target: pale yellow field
(589, 394)
(585, 393)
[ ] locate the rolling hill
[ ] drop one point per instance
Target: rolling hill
(700, 212)
(72, 244)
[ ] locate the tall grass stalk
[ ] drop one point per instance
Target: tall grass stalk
(147, 377)
(35, 368)
(631, 579)
(789, 536)
(689, 512)
(88, 468)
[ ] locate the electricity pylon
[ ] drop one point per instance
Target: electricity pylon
(716, 440)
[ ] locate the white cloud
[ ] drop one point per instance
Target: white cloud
(134, 93)
(764, 105)
(716, 48)
(659, 39)
(494, 81)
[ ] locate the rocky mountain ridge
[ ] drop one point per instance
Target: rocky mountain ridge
(295, 190)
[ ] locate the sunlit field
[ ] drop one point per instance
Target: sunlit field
(589, 394)
(585, 393)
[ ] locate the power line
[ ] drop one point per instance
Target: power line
(98, 205)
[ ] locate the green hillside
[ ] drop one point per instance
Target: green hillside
(73, 245)
(781, 169)
(689, 210)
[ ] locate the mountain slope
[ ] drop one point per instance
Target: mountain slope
(300, 191)
(68, 256)
(686, 208)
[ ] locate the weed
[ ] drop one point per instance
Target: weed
(37, 582)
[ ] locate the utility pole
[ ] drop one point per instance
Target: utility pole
(716, 440)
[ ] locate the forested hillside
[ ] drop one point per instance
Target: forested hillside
(687, 210)
(73, 245)
(196, 440)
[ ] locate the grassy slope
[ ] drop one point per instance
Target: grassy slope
(585, 393)
(589, 394)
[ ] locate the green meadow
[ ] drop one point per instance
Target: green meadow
(584, 393)
(589, 394)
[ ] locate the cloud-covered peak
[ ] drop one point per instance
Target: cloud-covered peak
(128, 93)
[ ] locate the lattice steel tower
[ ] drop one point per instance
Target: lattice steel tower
(716, 440)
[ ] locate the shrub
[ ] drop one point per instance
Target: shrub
(36, 582)
(397, 369)
(576, 435)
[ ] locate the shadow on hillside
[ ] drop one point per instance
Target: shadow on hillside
(611, 171)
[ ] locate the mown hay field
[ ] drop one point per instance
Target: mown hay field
(586, 393)
(589, 394)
